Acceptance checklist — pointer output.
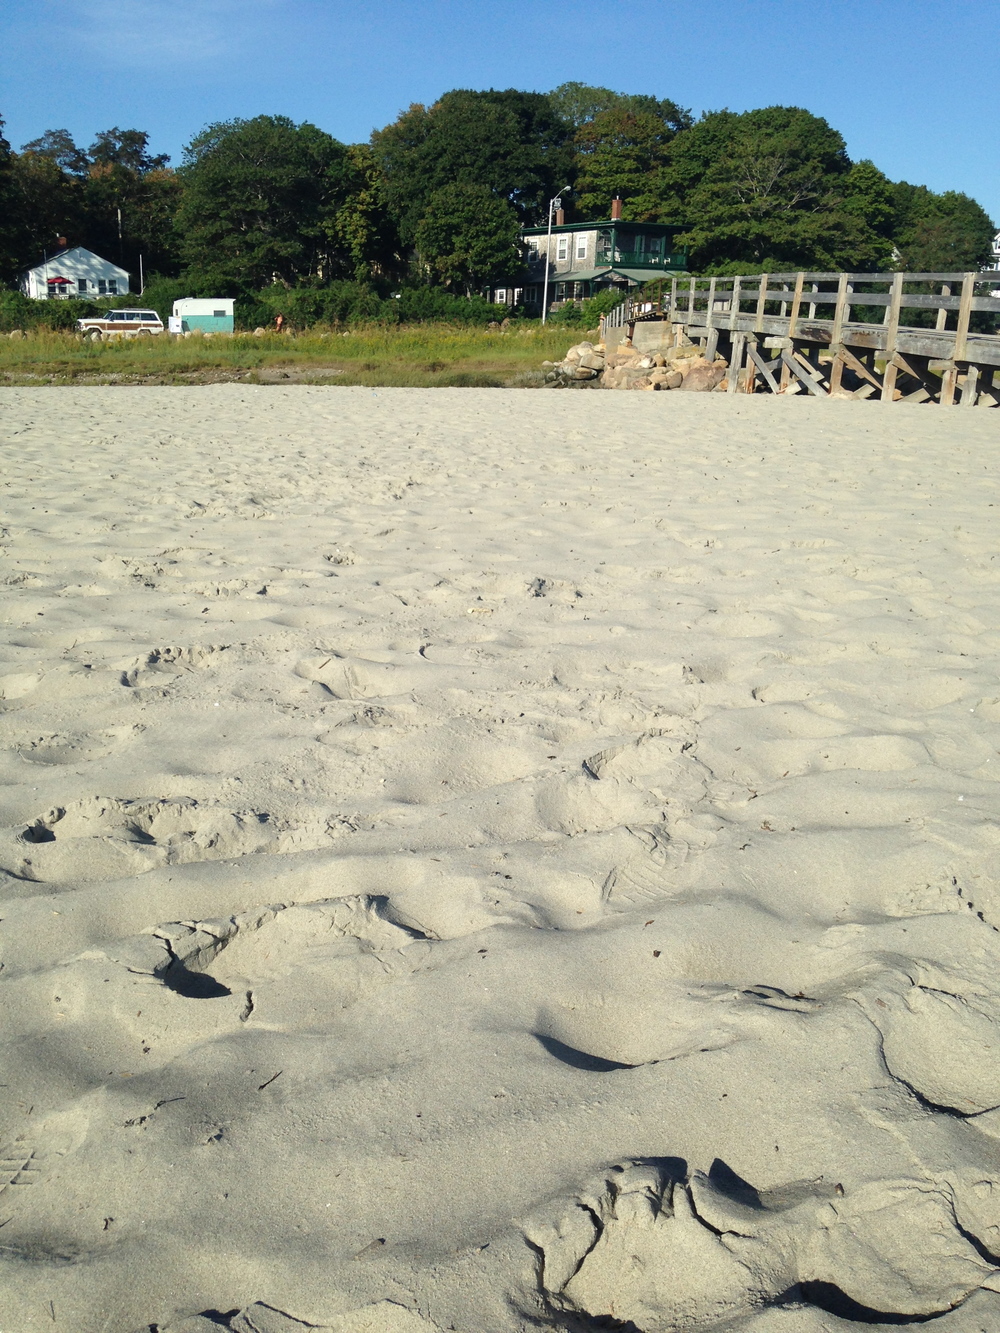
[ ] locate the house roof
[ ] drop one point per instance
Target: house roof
(651, 228)
(78, 252)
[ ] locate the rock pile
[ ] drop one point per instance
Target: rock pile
(681, 366)
(584, 361)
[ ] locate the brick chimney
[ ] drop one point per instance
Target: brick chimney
(560, 217)
(616, 209)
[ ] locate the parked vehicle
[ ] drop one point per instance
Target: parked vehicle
(120, 324)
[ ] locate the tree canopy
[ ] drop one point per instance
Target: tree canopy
(435, 201)
(257, 196)
(512, 143)
(469, 238)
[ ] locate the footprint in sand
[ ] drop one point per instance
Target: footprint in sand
(108, 837)
(80, 747)
(662, 1251)
(940, 1036)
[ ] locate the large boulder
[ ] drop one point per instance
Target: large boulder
(702, 376)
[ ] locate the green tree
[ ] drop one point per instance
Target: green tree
(469, 238)
(764, 189)
(578, 103)
(257, 197)
(360, 227)
(622, 152)
(47, 204)
(58, 147)
(10, 239)
(512, 142)
(869, 199)
(947, 232)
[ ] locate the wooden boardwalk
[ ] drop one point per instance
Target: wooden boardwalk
(789, 332)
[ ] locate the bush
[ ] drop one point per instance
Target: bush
(18, 311)
(417, 305)
(586, 314)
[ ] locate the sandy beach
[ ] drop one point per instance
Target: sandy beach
(486, 860)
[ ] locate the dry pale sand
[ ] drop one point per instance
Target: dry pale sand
(482, 860)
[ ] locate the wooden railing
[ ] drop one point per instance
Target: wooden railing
(839, 333)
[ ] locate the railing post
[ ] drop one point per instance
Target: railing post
(964, 312)
(837, 335)
(793, 320)
(761, 299)
(891, 336)
(942, 314)
(734, 302)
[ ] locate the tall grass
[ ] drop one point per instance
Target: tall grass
(417, 354)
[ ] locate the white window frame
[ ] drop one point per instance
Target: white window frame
(562, 247)
(581, 246)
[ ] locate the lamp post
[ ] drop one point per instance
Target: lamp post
(555, 202)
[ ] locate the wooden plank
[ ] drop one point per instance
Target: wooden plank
(736, 361)
(808, 366)
(969, 391)
(964, 311)
(761, 300)
(859, 367)
(949, 381)
(812, 384)
(891, 335)
(710, 312)
(734, 302)
(920, 395)
(673, 300)
(793, 317)
(865, 391)
(762, 366)
(836, 374)
(712, 345)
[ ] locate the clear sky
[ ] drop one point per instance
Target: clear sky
(912, 84)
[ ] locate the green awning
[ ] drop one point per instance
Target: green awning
(585, 275)
(639, 275)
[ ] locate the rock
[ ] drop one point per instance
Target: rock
(259, 332)
(583, 373)
(16, 334)
(702, 376)
(667, 379)
(591, 361)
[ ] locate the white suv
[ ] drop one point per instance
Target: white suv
(120, 324)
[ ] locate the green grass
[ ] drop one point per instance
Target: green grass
(418, 355)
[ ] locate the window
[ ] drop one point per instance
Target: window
(112, 287)
(581, 246)
(102, 287)
(81, 285)
(149, 314)
(531, 295)
(501, 296)
(219, 314)
(656, 245)
(562, 247)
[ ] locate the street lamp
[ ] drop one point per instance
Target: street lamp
(554, 203)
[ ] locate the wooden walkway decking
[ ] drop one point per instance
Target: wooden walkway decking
(786, 332)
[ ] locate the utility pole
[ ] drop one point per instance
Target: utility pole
(554, 203)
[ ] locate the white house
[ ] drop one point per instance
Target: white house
(76, 272)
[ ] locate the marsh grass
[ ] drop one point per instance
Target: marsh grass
(418, 355)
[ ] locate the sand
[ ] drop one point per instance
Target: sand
(482, 860)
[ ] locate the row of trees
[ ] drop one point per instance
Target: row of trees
(439, 196)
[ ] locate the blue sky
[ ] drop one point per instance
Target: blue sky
(911, 84)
